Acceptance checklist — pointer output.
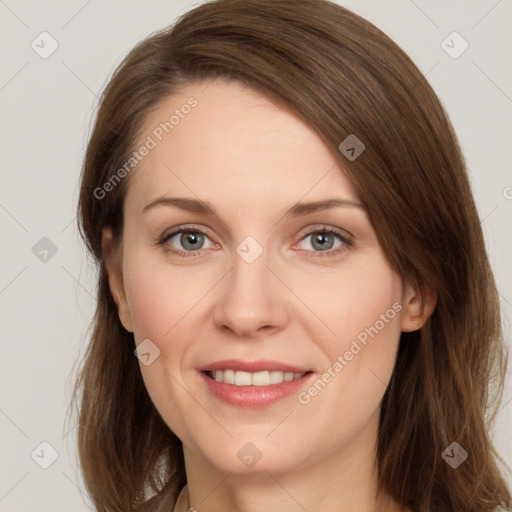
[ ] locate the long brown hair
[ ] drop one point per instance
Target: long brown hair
(342, 76)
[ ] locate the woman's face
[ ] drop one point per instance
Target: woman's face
(247, 253)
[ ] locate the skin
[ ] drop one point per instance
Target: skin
(252, 161)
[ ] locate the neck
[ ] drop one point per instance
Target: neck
(345, 481)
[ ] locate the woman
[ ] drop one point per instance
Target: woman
(288, 244)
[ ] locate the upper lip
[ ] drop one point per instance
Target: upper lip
(252, 366)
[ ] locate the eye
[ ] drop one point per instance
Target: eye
(189, 241)
(186, 240)
(327, 240)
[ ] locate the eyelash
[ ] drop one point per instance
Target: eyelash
(346, 243)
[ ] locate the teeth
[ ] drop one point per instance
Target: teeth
(229, 377)
(254, 379)
(260, 379)
(242, 379)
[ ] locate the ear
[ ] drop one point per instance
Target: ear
(112, 260)
(418, 304)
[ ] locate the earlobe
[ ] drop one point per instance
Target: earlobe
(418, 304)
(115, 278)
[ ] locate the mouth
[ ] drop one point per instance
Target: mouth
(253, 384)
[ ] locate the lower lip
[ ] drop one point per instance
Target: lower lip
(254, 396)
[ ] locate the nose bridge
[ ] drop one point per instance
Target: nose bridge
(251, 298)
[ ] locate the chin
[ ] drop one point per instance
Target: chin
(252, 457)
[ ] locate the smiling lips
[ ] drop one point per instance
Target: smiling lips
(253, 384)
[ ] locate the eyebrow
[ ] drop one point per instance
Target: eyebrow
(297, 210)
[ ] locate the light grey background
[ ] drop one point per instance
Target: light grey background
(47, 106)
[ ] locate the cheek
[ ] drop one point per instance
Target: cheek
(159, 297)
(358, 302)
(360, 311)
(166, 304)
(162, 310)
(369, 317)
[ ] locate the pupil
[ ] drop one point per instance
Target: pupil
(322, 240)
(191, 240)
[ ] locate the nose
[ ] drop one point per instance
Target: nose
(253, 300)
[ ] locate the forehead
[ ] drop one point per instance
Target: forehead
(224, 140)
